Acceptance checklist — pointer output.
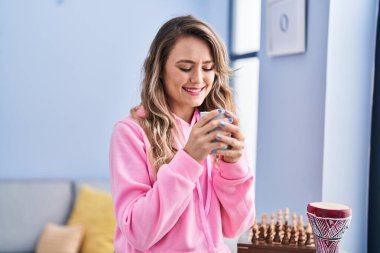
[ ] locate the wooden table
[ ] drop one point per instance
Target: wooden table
(246, 246)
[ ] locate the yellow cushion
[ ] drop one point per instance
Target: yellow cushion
(60, 239)
(94, 210)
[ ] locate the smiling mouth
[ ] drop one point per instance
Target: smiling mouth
(193, 91)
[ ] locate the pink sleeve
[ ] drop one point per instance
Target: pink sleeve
(145, 212)
(234, 188)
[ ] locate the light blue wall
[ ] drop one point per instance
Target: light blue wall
(315, 115)
(348, 112)
(291, 119)
(68, 71)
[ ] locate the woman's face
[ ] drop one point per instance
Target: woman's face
(188, 74)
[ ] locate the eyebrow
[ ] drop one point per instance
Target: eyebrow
(190, 61)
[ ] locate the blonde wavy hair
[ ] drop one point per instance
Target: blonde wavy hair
(159, 122)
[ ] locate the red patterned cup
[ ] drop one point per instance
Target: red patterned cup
(329, 221)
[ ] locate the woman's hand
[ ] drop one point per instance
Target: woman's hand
(202, 137)
(235, 141)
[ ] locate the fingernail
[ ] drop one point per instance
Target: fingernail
(227, 112)
(230, 120)
(220, 110)
(218, 136)
(222, 124)
(214, 152)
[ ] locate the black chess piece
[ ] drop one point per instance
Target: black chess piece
(261, 234)
(301, 237)
(285, 239)
(286, 226)
(277, 237)
(254, 236)
(293, 236)
(268, 239)
(308, 239)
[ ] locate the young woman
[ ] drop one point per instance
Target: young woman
(175, 188)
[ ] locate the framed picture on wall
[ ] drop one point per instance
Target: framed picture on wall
(285, 27)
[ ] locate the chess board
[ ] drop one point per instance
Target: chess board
(245, 245)
(279, 237)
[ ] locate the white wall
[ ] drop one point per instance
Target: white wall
(349, 88)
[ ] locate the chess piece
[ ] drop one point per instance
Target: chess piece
(301, 237)
(286, 226)
(277, 238)
(264, 220)
(255, 225)
(254, 234)
(293, 236)
(287, 214)
(261, 233)
(285, 239)
(308, 227)
(300, 222)
(279, 216)
(272, 221)
(268, 239)
(294, 218)
(308, 242)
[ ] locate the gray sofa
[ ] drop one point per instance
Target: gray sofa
(26, 206)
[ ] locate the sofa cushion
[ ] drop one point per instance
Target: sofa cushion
(94, 210)
(60, 239)
(26, 207)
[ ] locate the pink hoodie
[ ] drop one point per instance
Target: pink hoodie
(188, 207)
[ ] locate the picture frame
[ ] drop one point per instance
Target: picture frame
(285, 27)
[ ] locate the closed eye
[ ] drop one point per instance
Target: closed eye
(185, 70)
(204, 69)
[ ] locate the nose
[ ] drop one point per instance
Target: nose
(196, 76)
